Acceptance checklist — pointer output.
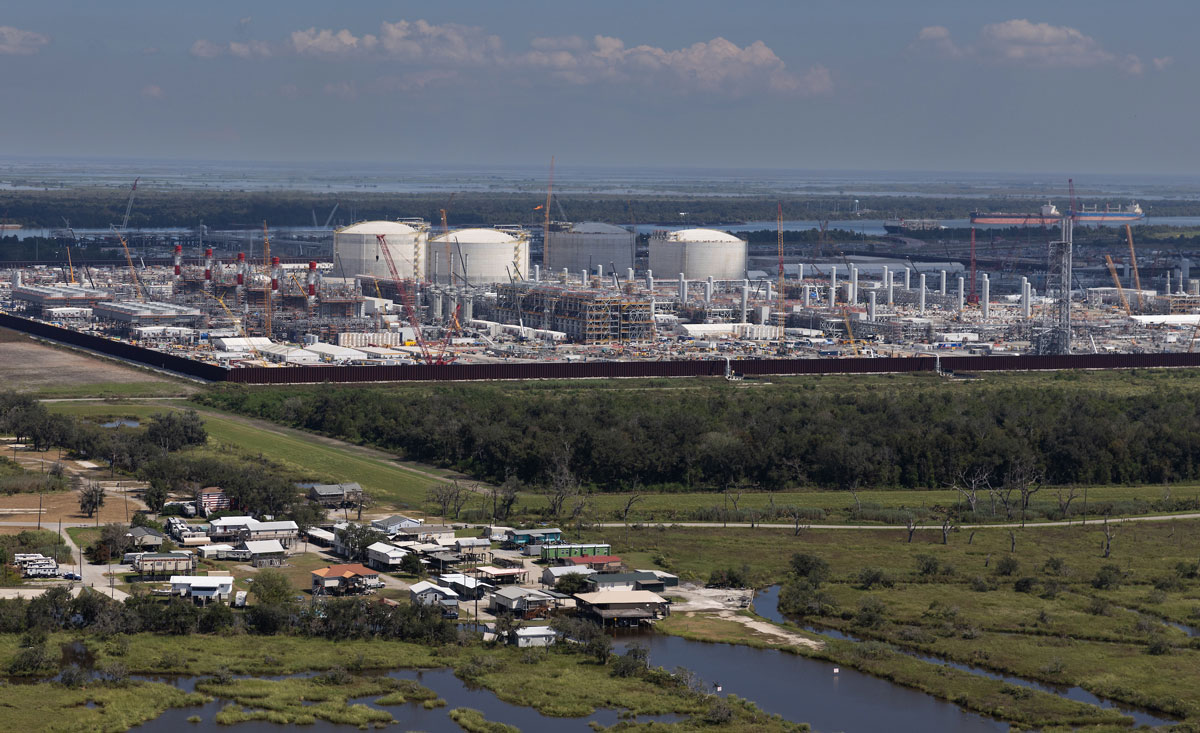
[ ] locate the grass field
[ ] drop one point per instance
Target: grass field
(386, 482)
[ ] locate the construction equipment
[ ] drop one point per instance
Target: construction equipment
(404, 290)
(446, 238)
(1137, 279)
(70, 265)
(546, 225)
(237, 323)
(266, 281)
(1112, 270)
(137, 284)
(782, 348)
(849, 330)
(307, 302)
(129, 204)
(1192, 340)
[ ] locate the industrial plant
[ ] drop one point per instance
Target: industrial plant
(405, 292)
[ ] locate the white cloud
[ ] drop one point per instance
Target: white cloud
(250, 49)
(152, 91)
(1163, 62)
(1021, 42)
(205, 49)
(290, 91)
(17, 42)
(433, 51)
(342, 89)
(328, 42)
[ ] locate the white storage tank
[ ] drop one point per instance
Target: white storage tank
(583, 246)
(698, 254)
(356, 249)
(480, 255)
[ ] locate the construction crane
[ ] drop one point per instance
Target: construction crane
(1112, 270)
(446, 238)
(237, 323)
(137, 285)
(266, 281)
(406, 299)
(70, 265)
(307, 302)
(1137, 279)
(782, 349)
(129, 204)
(546, 225)
(849, 330)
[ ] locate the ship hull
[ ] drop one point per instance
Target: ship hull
(1015, 220)
(1107, 217)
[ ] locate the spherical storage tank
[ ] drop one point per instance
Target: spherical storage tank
(480, 255)
(698, 254)
(583, 246)
(357, 251)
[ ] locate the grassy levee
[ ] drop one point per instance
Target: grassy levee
(1063, 615)
(1021, 706)
(98, 708)
(384, 481)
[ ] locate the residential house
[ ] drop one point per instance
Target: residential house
(317, 536)
(520, 537)
(265, 553)
(145, 538)
(212, 499)
(286, 532)
(623, 607)
(599, 563)
(558, 552)
(668, 579)
(551, 574)
(442, 561)
(383, 556)
(203, 588)
(340, 580)
(393, 524)
(225, 529)
(523, 602)
(465, 586)
(164, 563)
(625, 581)
(473, 548)
(336, 495)
(534, 636)
(221, 551)
(424, 533)
(430, 594)
(501, 576)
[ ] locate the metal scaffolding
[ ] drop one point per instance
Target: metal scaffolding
(585, 316)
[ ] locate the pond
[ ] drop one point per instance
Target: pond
(121, 423)
(766, 604)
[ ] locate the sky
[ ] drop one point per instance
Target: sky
(1089, 86)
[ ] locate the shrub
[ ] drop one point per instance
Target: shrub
(1051, 589)
(1008, 565)
(1024, 585)
(1107, 578)
(980, 584)
(1056, 566)
(928, 565)
(1099, 607)
(871, 613)
(1188, 570)
(719, 713)
(633, 663)
(730, 578)
(30, 659)
(869, 578)
(72, 676)
(1158, 646)
(811, 568)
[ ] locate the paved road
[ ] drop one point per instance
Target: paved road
(93, 575)
(1009, 525)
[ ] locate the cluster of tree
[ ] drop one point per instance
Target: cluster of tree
(123, 449)
(719, 439)
(98, 208)
(253, 485)
(275, 611)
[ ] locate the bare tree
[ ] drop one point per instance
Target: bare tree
(1004, 494)
(797, 517)
(971, 482)
(443, 496)
(1012, 541)
(947, 526)
(632, 499)
(562, 483)
(1110, 531)
(912, 525)
(1027, 480)
(460, 498)
(1064, 502)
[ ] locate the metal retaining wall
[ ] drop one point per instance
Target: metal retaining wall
(588, 370)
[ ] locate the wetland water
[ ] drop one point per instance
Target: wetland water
(766, 604)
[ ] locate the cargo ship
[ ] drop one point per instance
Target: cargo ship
(900, 226)
(1049, 215)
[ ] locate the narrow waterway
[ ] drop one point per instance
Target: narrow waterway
(766, 604)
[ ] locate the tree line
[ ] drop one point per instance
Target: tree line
(716, 438)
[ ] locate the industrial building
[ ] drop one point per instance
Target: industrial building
(698, 254)
(585, 316)
(149, 313)
(478, 256)
(585, 246)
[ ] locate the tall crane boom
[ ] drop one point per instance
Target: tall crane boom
(1137, 279)
(266, 281)
(137, 285)
(546, 225)
(406, 299)
(129, 204)
(1112, 270)
(782, 314)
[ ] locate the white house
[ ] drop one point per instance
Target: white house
(551, 574)
(203, 587)
(383, 556)
(535, 636)
(429, 594)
